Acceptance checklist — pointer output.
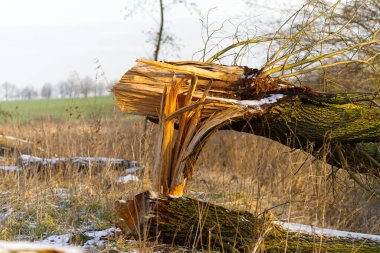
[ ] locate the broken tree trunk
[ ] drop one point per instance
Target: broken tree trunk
(201, 225)
(199, 98)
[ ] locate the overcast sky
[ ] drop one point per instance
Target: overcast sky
(45, 40)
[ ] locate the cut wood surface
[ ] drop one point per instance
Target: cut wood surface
(201, 225)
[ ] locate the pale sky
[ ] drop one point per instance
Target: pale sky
(45, 40)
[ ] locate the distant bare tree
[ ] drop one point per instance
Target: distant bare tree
(47, 90)
(159, 37)
(9, 90)
(86, 86)
(64, 89)
(74, 83)
(28, 92)
(99, 89)
(71, 87)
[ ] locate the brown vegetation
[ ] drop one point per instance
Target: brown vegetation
(237, 170)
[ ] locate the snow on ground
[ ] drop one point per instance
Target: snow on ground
(94, 239)
(126, 179)
(5, 211)
(296, 227)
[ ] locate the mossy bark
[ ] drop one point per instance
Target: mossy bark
(316, 122)
(201, 225)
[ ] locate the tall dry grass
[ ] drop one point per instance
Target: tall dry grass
(234, 169)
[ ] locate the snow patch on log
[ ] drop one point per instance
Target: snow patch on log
(10, 168)
(28, 160)
(296, 227)
(133, 169)
(251, 103)
(25, 160)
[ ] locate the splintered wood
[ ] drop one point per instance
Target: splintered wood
(176, 154)
(141, 88)
(199, 97)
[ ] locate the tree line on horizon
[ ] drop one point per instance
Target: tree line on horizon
(72, 87)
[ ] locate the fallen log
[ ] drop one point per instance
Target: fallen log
(201, 225)
(33, 163)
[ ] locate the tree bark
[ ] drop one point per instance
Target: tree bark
(201, 225)
(332, 121)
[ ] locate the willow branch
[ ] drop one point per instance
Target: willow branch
(243, 43)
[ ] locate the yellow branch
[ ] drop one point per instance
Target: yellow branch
(243, 43)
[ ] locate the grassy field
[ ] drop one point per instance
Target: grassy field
(59, 109)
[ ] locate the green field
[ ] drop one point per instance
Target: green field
(59, 109)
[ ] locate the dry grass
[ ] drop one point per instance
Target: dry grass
(234, 169)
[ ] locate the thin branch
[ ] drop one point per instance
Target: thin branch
(243, 43)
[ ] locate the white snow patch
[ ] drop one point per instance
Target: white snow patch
(61, 240)
(30, 158)
(8, 247)
(62, 192)
(174, 196)
(131, 166)
(23, 237)
(10, 168)
(126, 179)
(98, 238)
(132, 169)
(296, 227)
(251, 103)
(269, 100)
(5, 211)
(26, 159)
(97, 160)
